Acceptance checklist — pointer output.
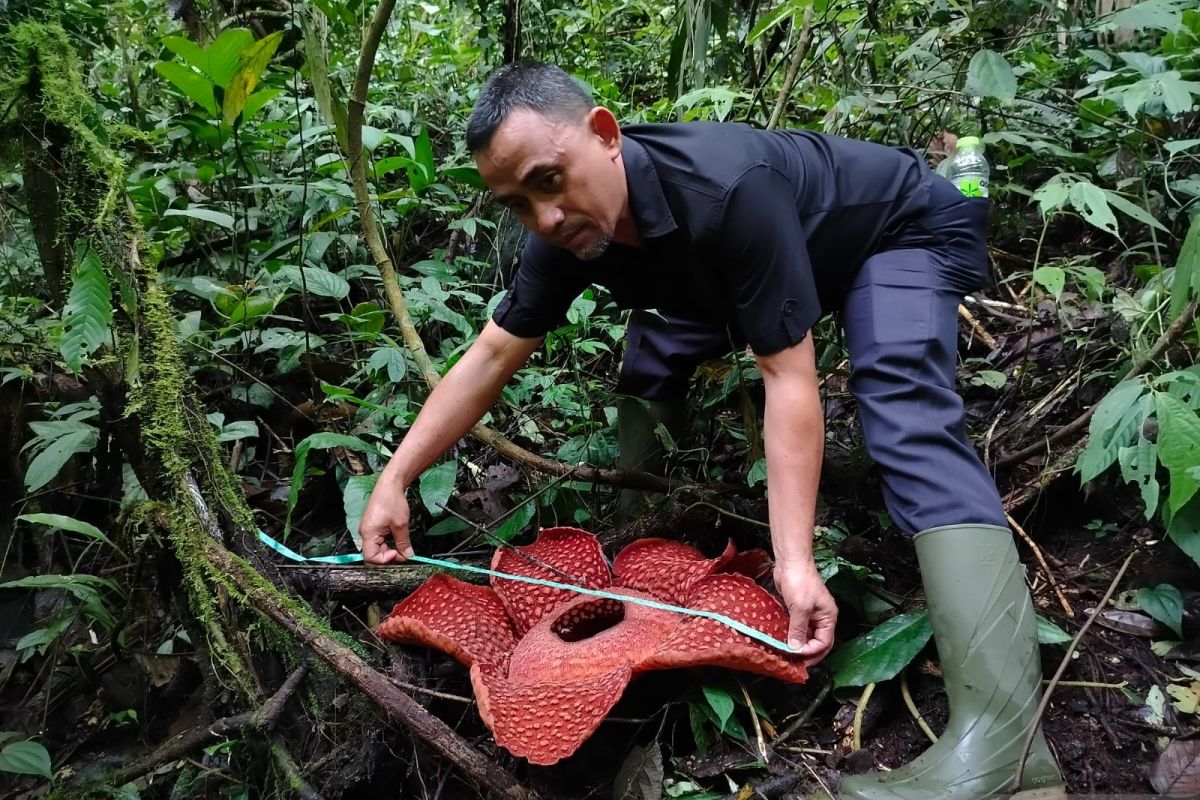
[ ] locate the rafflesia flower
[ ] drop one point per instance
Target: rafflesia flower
(548, 664)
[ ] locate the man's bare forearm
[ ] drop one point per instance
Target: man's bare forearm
(794, 434)
(459, 401)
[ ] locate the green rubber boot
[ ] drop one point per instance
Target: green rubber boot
(986, 636)
(638, 445)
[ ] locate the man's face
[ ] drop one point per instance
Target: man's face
(563, 179)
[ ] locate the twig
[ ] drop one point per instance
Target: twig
(789, 79)
(979, 330)
(263, 719)
(1062, 667)
(291, 771)
(795, 724)
(912, 707)
(758, 733)
(1037, 552)
(729, 514)
(858, 715)
(399, 306)
(1170, 336)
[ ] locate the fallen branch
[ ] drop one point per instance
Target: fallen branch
(399, 307)
(262, 720)
(1181, 325)
(263, 599)
(361, 583)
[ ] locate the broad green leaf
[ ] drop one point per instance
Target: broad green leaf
(721, 702)
(60, 522)
(1049, 633)
(225, 55)
(700, 734)
(1176, 93)
(81, 586)
(259, 99)
(251, 63)
(990, 75)
(447, 526)
(365, 318)
(437, 484)
(1163, 15)
(1133, 209)
(773, 18)
(206, 214)
(1165, 604)
(424, 171)
(194, 86)
(88, 313)
(318, 441)
(1184, 528)
(47, 464)
(354, 501)
(1052, 279)
(516, 522)
(880, 654)
(1185, 284)
(1052, 195)
(319, 281)
(1178, 447)
(188, 50)
(757, 473)
(1091, 202)
(26, 758)
(391, 359)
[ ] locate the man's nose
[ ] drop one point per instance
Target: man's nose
(549, 216)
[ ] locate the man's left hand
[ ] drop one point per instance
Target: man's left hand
(811, 607)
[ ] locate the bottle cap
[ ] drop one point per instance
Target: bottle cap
(969, 143)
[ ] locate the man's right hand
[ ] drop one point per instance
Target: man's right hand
(384, 522)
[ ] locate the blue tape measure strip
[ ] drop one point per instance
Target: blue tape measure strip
(351, 558)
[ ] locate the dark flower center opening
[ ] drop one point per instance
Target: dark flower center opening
(588, 619)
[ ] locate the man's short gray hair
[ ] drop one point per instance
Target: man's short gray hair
(543, 88)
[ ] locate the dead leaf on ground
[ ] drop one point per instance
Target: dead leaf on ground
(641, 776)
(1177, 771)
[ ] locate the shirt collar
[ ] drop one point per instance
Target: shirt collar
(647, 203)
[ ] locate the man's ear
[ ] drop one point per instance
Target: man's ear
(604, 125)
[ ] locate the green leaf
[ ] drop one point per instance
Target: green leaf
(60, 522)
(1178, 447)
(259, 99)
(1090, 201)
(1186, 281)
(391, 359)
(990, 75)
(1132, 209)
(423, 172)
(1049, 633)
(721, 702)
(757, 473)
(80, 585)
(251, 63)
(772, 18)
(880, 654)
(1052, 195)
(354, 501)
(88, 313)
(194, 86)
(320, 281)
(225, 54)
(206, 214)
(318, 441)
(26, 758)
(1164, 15)
(447, 526)
(516, 522)
(437, 484)
(1052, 279)
(1184, 528)
(188, 50)
(47, 464)
(1165, 604)
(700, 732)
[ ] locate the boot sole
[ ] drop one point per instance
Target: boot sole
(1047, 793)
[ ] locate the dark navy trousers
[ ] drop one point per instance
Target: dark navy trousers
(900, 318)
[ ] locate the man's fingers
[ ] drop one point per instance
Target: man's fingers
(798, 630)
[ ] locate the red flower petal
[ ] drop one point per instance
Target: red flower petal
(465, 621)
(751, 563)
(700, 641)
(573, 556)
(664, 567)
(545, 722)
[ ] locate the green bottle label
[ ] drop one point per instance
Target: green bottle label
(972, 187)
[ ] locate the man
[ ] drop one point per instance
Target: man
(736, 235)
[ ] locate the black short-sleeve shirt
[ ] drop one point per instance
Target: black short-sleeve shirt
(763, 230)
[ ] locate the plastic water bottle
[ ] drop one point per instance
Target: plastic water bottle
(968, 170)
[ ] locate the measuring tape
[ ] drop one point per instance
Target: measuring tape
(351, 558)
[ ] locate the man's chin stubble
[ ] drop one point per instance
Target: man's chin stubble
(595, 249)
